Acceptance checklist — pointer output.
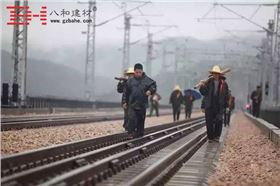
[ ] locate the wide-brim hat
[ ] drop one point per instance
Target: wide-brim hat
(130, 70)
(216, 69)
(177, 87)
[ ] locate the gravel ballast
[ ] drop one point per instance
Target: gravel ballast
(248, 157)
(27, 139)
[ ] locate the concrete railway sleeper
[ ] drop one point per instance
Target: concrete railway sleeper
(44, 173)
(92, 174)
(35, 158)
(52, 121)
(170, 164)
(26, 124)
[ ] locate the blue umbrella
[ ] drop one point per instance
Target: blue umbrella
(194, 93)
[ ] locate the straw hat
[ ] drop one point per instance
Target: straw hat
(130, 70)
(177, 87)
(216, 69)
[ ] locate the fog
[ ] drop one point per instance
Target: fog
(56, 52)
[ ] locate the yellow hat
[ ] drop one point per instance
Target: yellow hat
(177, 87)
(130, 70)
(216, 69)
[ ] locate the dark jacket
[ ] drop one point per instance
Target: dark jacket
(135, 89)
(203, 103)
(256, 97)
(120, 86)
(175, 100)
(188, 100)
(208, 92)
(231, 102)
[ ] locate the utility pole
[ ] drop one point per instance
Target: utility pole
(90, 52)
(277, 53)
(150, 42)
(268, 65)
(269, 75)
(19, 54)
(271, 66)
(165, 52)
(127, 18)
(176, 53)
(127, 26)
(149, 54)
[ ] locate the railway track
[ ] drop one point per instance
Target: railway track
(26, 160)
(18, 123)
(7, 119)
(40, 118)
(38, 123)
(72, 163)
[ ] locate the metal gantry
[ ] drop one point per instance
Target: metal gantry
(90, 52)
(127, 27)
(19, 54)
(149, 54)
(165, 53)
(277, 53)
(269, 74)
(127, 18)
(150, 42)
(270, 53)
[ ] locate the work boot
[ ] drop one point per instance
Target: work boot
(217, 139)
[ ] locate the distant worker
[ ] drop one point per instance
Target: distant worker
(248, 107)
(154, 101)
(120, 88)
(188, 100)
(223, 78)
(229, 109)
(135, 99)
(215, 91)
(202, 107)
(256, 98)
(176, 99)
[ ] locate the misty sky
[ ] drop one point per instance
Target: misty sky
(55, 37)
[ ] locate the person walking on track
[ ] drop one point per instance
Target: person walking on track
(188, 100)
(129, 73)
(154, 101)
(229, 109)
(176, 99)
(256, 98)
(135, 99)
(215, 91)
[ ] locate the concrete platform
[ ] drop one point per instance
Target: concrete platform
(268, 129)
(271, 115)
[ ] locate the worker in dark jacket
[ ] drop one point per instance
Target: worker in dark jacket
(256, 98)
(215, 91)
(135, 99)
(154, 103)
(176, 99)
(188, 100)
(122, 80)
(202, 107)
(120, 88)
(223, 78)
(229, 109)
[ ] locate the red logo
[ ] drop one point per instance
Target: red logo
(24, 15)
